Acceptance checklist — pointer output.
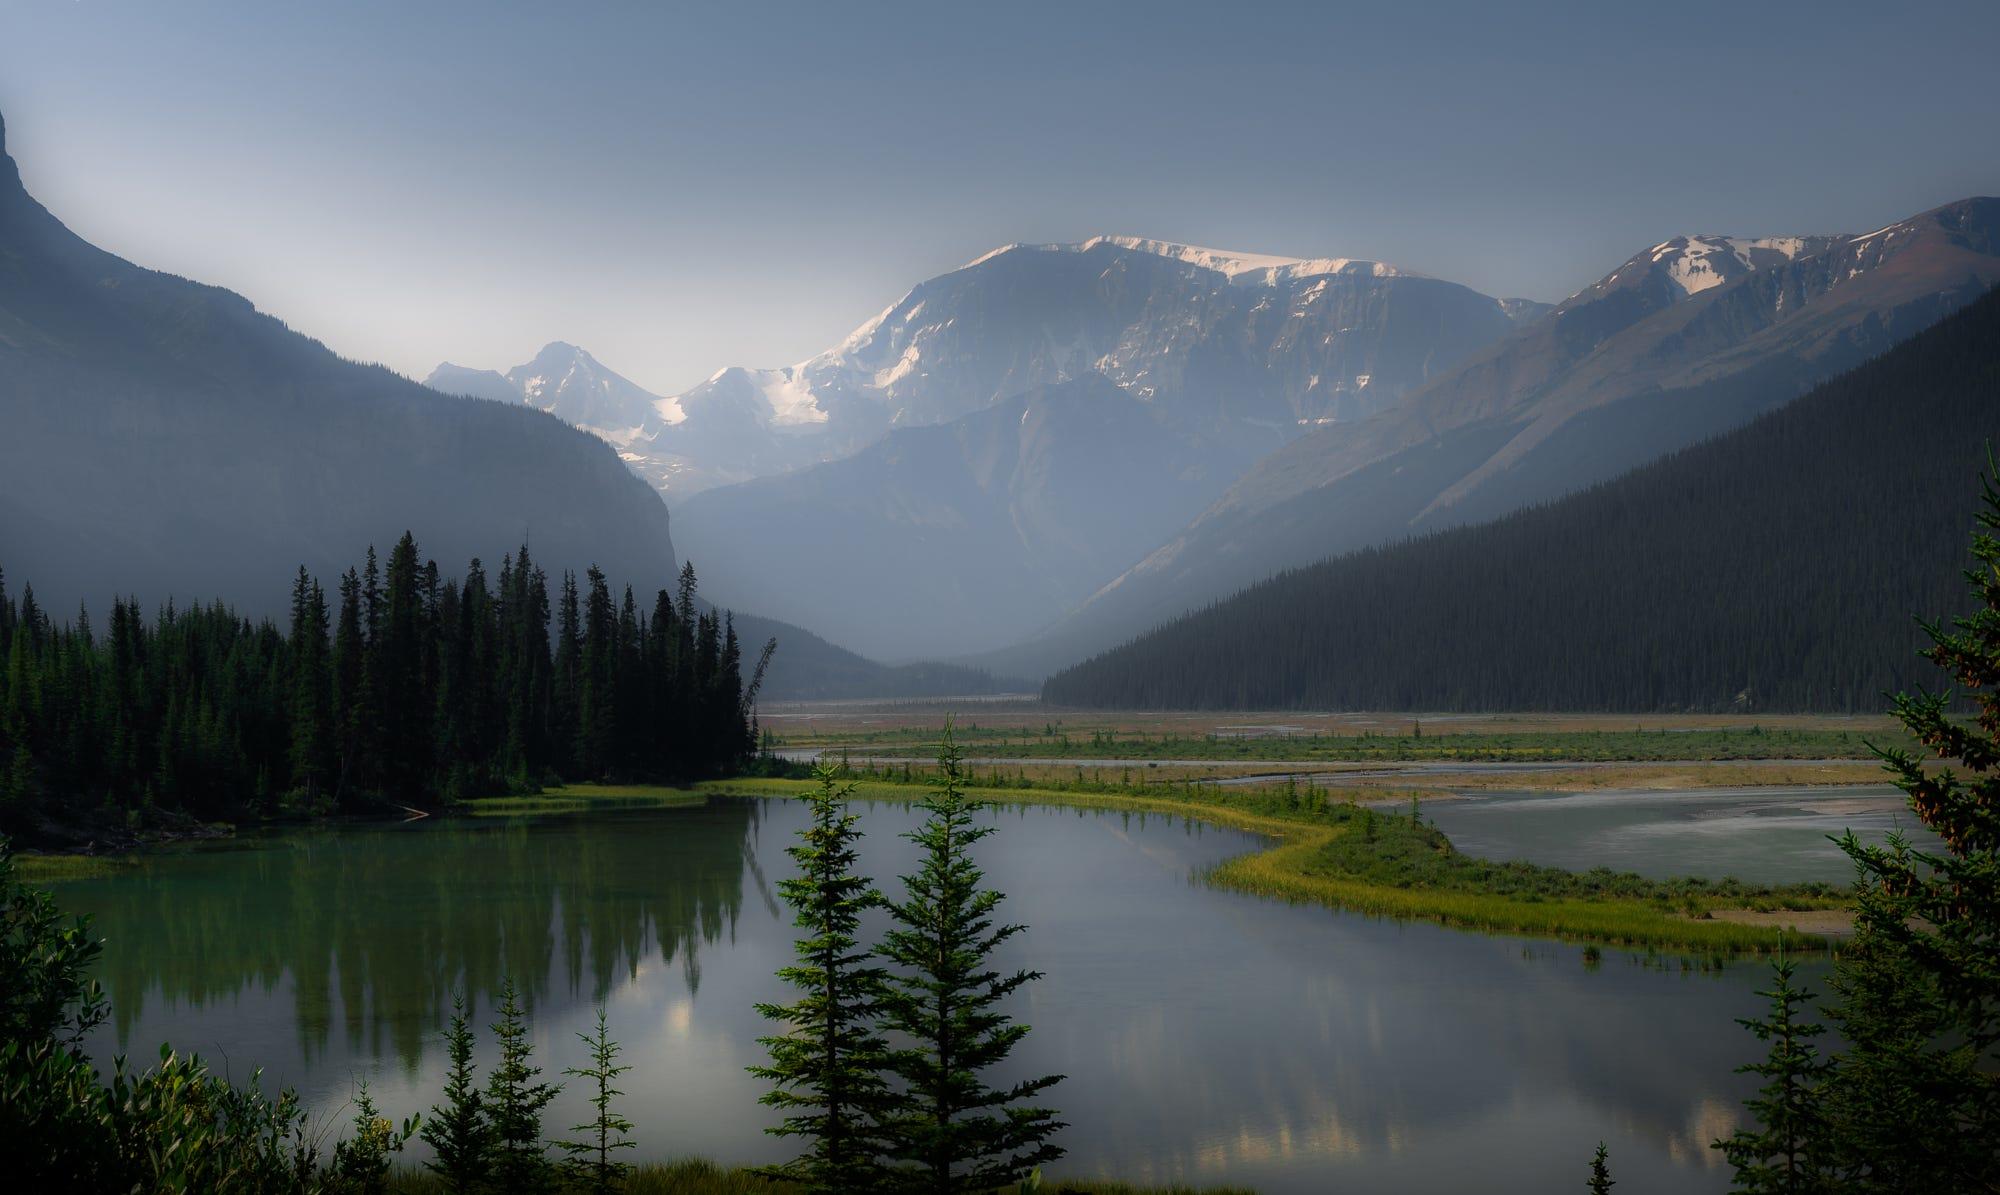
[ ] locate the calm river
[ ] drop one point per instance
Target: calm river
(1208, 1037)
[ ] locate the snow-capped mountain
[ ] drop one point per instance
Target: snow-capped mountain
(1285, 341)
(1266, 345)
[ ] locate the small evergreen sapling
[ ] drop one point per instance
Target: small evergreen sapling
(361, 1162)
(1601, 1181)
(591, 1164)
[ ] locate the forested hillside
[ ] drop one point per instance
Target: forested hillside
(1779, 566)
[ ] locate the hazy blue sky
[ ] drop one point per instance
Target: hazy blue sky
(684, 189)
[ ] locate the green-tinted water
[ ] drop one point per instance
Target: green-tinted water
(1208, 1036)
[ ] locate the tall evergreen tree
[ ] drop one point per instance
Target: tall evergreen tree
(457, 1130)
(566, 716)
(350, 649)
(1916, 1096)
(398, 653)
(312, 691)
(514, 1103)
(596, 730)
(953, 1131)
(826, 1066)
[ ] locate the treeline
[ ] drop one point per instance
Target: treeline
(1775, 567)
(400, 686)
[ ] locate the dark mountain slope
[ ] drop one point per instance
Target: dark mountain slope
(161, 436)
(1775, 567)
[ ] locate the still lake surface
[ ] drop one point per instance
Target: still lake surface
(1208, 1036)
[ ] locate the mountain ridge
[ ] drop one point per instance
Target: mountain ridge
(1622, 372)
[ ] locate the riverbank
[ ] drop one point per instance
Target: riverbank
(1389, 864)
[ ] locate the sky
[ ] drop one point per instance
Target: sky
(682, 188)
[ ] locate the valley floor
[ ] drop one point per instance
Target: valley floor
(1019, 729)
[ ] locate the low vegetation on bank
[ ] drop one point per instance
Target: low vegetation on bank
(1391, 864)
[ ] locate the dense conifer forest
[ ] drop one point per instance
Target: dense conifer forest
(400, 686)
(1777, 566)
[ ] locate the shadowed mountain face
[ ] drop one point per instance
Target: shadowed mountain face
(1689, 338)
(162, 437)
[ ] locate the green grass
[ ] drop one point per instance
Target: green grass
(1384, 864)
(1586, 746)
(48, 869)
(695, 1177)
(584, 798)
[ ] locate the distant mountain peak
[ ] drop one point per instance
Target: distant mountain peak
(1264, 269)
(1682, 267)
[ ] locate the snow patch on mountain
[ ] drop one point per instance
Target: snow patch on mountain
(1697, 263)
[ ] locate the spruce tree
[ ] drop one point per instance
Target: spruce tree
(592, 1164)
(514, 1103)
(1784, 1152)
(826, 1066)
(457, 1131)
(951, 1131)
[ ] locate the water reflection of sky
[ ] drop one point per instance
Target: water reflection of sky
(1208, 1037)
(1769, 835)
